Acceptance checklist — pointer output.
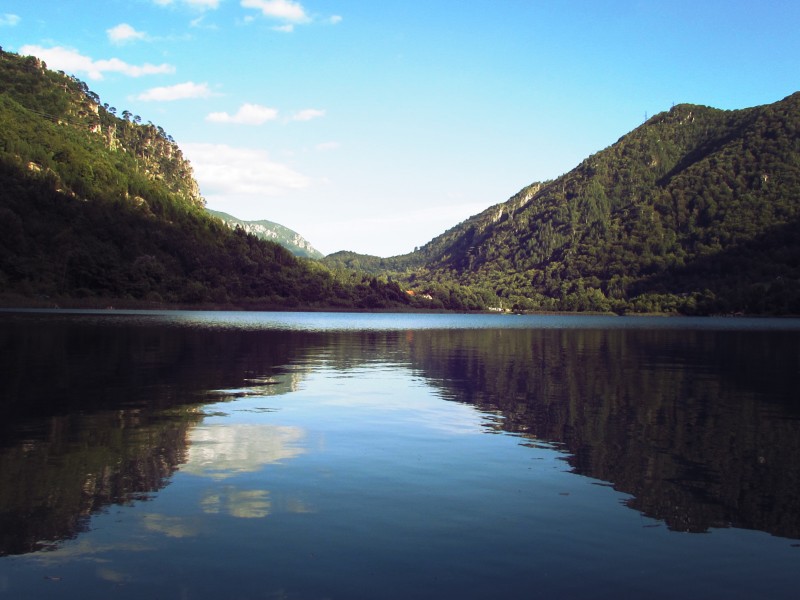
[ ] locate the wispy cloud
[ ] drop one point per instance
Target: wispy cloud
(308, 114)
(73, 61)
(200, 23)
(197, 4)
(227, 171)
(248, 114)
(9, 20)
(179, 91)
(124, 33)
(283, 10)
(327, 146)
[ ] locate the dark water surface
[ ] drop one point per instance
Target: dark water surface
(263, 455)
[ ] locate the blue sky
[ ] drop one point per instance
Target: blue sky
(376, 125)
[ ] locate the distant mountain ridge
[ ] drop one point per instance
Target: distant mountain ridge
(696, 210)
(273, 232)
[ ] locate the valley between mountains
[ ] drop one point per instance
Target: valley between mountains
(696, 211)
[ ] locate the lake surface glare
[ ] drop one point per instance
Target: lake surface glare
(240, 455)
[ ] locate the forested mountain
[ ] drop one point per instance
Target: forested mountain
(697, 211)
(96, 206)
(274, 232)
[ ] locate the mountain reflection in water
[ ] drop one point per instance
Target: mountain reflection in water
(700, 427)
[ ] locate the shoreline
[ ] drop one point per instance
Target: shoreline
(13, 302)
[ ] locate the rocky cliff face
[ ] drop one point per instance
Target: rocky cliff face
(156, 152)
(68, 102)
(274, 232)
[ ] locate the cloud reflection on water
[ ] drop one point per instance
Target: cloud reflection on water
(241, 504)
(176, 527)
(223, 451)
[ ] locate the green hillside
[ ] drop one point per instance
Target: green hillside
(695, 211)
(97, 207)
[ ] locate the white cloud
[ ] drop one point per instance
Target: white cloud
(9, 20)
(248, 114)
(285, 10)
(308, 114)
(335, 19)
(288, 28)
(66, 59)
(179, 91)
(226, 171)
(123, 33)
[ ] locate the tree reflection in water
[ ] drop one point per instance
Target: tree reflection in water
(701, 428)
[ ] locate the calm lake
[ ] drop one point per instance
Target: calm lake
(196, 455)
